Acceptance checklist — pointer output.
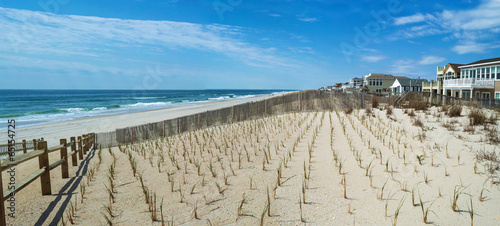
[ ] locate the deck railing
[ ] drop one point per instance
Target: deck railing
(470, 82)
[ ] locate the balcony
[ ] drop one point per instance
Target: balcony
(469, 83)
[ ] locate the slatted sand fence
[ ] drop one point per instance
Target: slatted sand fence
(310, 100)
(76, 149)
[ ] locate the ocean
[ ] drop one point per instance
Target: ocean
(36, 107)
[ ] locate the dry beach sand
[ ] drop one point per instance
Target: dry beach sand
(260, 171)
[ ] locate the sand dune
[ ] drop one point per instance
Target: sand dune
(225, 175)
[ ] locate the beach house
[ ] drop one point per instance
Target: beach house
(402, 85)
(480, 79)
(380, 83)
(449, 71)
(355, 82)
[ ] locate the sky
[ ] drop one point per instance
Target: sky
(236, 44)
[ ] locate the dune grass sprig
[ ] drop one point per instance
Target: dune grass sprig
(300, 206)
(398, 209)
(368, 168)
(381, 194)
(345, 188)
(457, 191)
(413, 194)
(240, 207)
(82, 190)
(471, 212)
(195, 210)
(268, 203)
(262, 215)
(483, 189)
(341, 164)
(425, 211)
(389, 197)
(109, 210)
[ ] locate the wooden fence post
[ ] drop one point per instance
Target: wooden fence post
(89, 143)
(86, 144)
(35, 146)
(164, 128)
(64, 155)
(43, 162)
(24, 147)
(74, 159)
(94, 141)
(80, 148)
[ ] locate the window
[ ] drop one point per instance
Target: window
(497, 95)
(487, 72)
(482, 72)
(486, 95)
(378, 90)
(498, 72)
(478, 94)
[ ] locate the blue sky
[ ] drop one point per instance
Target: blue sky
(236, 44)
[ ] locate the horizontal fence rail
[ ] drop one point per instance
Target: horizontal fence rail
(24, 146)
(78, 147)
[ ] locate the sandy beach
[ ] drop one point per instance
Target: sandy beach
(344, 169)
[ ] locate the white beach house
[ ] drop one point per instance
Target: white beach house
(402, 85)
(480, 79)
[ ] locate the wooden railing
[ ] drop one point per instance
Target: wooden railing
(79, 147)
(24, 144)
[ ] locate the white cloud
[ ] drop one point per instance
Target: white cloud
(468, 25)
(372, 59)
(410, 19)
(403, 67)
(308, 19)
(472, 47)
(299, 37)
(307, 50)
(369, 50)
(274, 15)
(42, 33)
(426, 60)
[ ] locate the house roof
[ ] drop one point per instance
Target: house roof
(455, 67)
(484, 61)
(386, 76)
(413, 82)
